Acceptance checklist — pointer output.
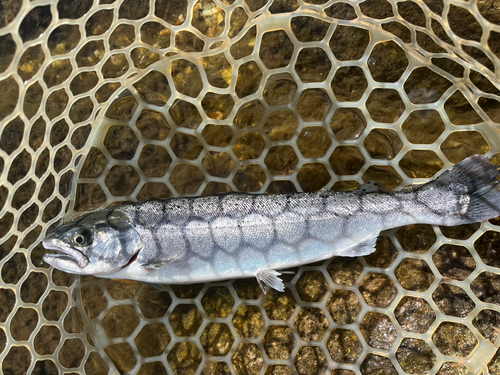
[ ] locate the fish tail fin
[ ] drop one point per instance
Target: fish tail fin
(485, 204)
(479, 176)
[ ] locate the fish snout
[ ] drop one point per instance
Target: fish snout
(63, 252)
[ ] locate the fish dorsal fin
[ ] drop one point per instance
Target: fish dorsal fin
(360, 249)
(323, 192)
(370, 187)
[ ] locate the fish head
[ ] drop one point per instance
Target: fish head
(101, 242)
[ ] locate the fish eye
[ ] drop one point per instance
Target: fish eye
(81, 238)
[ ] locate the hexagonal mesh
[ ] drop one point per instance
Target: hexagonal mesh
(115, 101)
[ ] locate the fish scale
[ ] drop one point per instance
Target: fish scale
(303, 223)
(189, 240)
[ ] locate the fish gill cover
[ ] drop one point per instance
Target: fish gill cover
(113, 101)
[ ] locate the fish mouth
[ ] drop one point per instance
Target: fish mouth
(63, 253)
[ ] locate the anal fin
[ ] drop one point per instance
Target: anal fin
(360, 249)
(270, 278)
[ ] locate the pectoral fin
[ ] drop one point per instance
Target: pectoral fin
(270, 278)
(360, 249)
(152, 266)
(157, 264)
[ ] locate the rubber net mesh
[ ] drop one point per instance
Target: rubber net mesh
(110, 101)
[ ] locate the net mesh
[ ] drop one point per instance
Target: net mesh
(112, 101)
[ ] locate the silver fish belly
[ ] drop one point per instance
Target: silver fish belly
(187, 240)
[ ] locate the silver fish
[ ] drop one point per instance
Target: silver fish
(189, 240)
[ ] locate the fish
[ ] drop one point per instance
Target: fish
(239, 235)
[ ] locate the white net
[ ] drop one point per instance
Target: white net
(113, 101)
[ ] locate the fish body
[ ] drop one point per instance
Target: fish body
(189, 240)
